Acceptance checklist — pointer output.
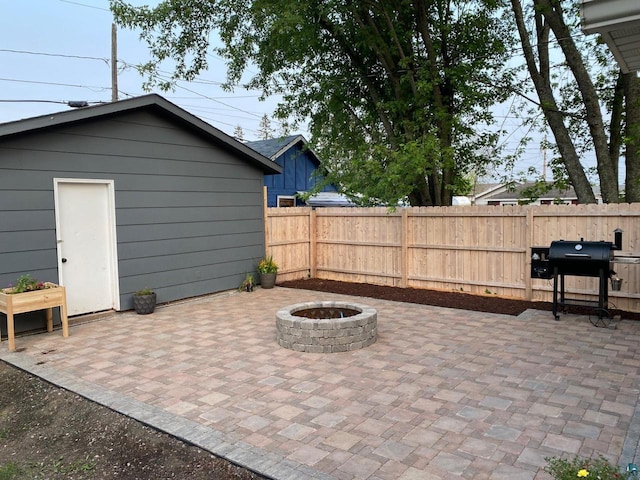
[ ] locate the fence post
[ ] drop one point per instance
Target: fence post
(313, 261)
(528, 282)
(404, 261)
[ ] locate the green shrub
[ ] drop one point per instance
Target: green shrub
(145, 291)
(589, 468)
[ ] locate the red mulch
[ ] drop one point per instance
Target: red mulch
(464, 301)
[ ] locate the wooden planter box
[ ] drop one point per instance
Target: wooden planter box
(45, 299)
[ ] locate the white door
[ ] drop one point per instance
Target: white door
(86, 237)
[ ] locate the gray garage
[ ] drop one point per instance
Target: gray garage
(110, 199)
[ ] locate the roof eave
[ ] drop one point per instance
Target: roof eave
(618, 22)
(146, 101)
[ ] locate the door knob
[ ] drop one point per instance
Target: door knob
(64, 260)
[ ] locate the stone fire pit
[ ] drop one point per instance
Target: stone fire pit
(326, 327)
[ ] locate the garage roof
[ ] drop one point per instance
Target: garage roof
(152, 102)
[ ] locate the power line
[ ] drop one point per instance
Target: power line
(107, 61)
(249, 115)
(85, 5)
(54, 84)
(126, 64)
(216, 98)
(71, 103)
(231, 107)
(213, 99)
(45, 54)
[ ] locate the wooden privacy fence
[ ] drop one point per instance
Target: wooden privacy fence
(473, 249)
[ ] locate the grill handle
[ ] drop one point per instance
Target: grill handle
(580, 255)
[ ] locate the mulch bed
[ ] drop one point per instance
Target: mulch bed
(450, 299)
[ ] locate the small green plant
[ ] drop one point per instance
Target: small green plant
(26, 283)
(487, 291)
(145, 291)
(248, 283)
(60, 467)
(85, 465)
(589, 468)
(267, 265)
(9, 471)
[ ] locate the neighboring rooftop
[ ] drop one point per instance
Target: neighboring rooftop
(519, 192)
(328, 199)
(274, 147)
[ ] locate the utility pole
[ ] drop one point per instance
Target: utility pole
(114, 63)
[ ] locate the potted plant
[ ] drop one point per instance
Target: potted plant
(144, 301)
(267, 269)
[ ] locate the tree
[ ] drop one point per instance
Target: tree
(238, 133)
(573, 108)
(396, 90)
(265, 131)
(285, 129)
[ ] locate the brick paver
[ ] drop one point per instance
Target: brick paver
(443, 393)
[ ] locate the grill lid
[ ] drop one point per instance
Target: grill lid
(562, 251)
(589, 259)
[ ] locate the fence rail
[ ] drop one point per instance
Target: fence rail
(479, 249)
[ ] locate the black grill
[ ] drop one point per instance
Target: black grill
(585, 259)
(578, 258)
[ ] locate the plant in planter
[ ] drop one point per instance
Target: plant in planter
(26, 283)
(144, 301)
(28, 295)
(267, 269)
(248, 283)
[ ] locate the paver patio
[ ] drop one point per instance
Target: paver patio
(443, 393)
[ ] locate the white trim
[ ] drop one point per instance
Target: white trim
(293, 142)
(113, 241)
(286, 147)
(285, 197)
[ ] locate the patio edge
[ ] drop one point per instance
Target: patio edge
(267, 464)
(631, 447)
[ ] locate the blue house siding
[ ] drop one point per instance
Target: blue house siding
(189, 214)
(299, 166)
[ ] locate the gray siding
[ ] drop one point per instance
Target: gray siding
(188, 213)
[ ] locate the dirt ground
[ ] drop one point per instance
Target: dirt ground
(50, 433)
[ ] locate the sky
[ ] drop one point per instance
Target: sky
(60, 50)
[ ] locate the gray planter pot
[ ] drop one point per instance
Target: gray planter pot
(267, 280)
(144, 304)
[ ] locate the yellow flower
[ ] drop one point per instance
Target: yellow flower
(583, 473)
(267, 265)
